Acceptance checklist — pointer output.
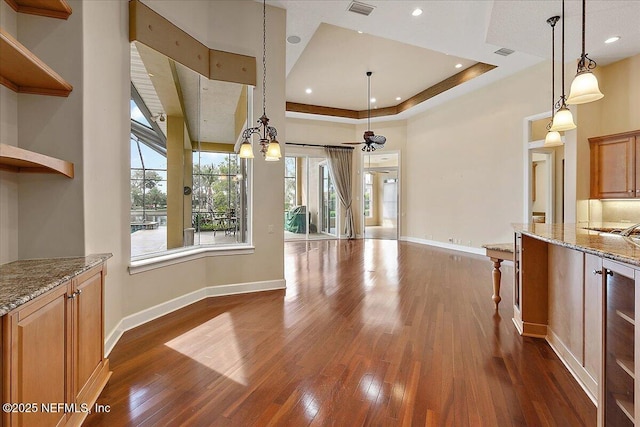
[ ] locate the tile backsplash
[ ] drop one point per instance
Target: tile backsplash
(614, 211)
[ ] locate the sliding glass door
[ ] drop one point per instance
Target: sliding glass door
(310, 210)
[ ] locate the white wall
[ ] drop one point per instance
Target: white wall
(107, 196)
(106, 149)
(51, 220)
(463, 162)
(9, 136)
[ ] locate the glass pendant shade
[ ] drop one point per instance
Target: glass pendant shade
(563, 120)
(273, 152)
(553, 139)
(246, 151)
(584, 88)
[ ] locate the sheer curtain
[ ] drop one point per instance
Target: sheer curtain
(340, 169)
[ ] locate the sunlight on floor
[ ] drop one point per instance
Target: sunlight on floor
(223, 354)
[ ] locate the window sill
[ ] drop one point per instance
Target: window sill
(167, 259)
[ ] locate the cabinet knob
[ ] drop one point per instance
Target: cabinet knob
(72, 296)
(597, 271)
(609, 273)
(79, 291)
(629, 191)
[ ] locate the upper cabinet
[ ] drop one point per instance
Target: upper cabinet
(615, 166)
(51, 8)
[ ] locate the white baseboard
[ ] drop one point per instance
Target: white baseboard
(151, 313)
(444, 245)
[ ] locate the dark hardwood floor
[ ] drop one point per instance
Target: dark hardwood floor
(371, 332)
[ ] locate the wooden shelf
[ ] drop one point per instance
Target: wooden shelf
(627, 366)
(625, 405)
(23, 72)
(626, 315)
(51, 8)
(19, 160)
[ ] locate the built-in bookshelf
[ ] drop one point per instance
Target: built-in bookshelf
(51, 8)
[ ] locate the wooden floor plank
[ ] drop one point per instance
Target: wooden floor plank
(373, 332)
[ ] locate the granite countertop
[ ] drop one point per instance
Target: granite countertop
(22, 281)
(611, 246)
(499, 247)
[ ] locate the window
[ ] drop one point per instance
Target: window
(188, 187)
(368, 195)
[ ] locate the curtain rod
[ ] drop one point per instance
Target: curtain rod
(317, 146)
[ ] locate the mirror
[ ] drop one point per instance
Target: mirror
(188, 187)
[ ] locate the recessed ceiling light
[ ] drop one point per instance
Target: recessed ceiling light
(308, 90)
(417, 12)
(398, 98)
(293, 39)
(359, 32)
(151, 74)
(373, 100)
(458, 65)
(612, 39)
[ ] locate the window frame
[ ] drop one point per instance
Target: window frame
(153, 260)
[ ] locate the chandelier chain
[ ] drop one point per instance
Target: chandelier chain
(563, 97)
(264, 56)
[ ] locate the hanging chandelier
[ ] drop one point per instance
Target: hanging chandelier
(562, 119)
(552, 139)
(269, 146)
(584, 87)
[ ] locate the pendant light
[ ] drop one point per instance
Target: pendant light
(269, 146)
(563, 119)
(552, 139)
(584, 87)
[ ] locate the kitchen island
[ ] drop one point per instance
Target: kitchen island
(576, 288)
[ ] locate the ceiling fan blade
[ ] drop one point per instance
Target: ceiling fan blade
(377, 139)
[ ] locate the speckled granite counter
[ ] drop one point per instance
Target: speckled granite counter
(22, 281)
(617, 248)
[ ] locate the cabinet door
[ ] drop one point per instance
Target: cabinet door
(37, 336)
(613, 167)
(593, 316)
(88, 333)
(637, 165)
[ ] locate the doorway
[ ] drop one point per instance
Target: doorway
(381, 193)
(543, 174)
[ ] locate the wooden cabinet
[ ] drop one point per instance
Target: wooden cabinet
(593, 294)
(615, 170)
(618, 388)
(53, 354)
(530, 295)
(36, 353)
(90, 370)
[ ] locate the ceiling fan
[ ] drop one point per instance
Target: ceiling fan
(371, 141)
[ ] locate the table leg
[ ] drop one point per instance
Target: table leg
(497, 275)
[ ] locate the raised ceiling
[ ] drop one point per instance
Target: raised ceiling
(471, 29)
(399, 69)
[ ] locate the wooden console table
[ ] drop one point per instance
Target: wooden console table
(498, 252)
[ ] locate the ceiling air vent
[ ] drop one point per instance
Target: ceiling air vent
(360, 8)
(504, 51)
